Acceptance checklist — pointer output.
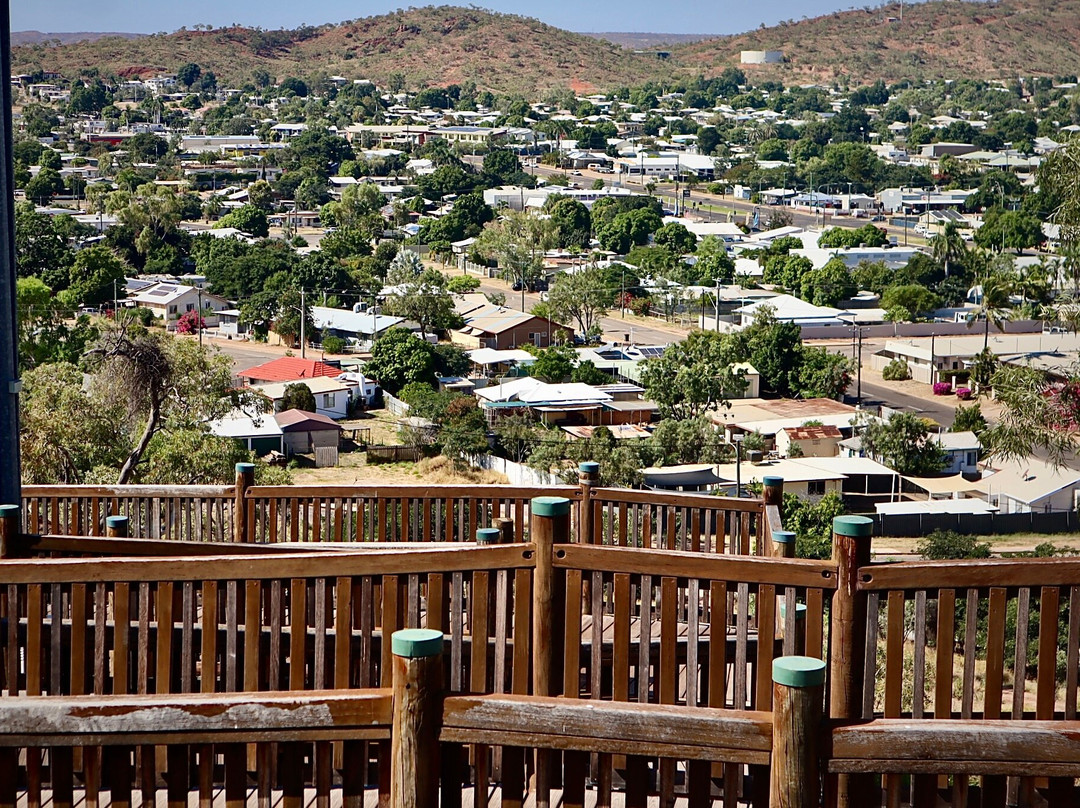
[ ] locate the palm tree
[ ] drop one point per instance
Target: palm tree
(994, 302)
(948, 246)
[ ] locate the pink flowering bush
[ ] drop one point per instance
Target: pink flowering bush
(942, 388)
(963, 393)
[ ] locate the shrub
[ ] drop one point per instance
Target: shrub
(896, 371)
(948, 544)
(963, 393)
(942, 388)
(333, 345)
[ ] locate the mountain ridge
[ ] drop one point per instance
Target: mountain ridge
(438, 46)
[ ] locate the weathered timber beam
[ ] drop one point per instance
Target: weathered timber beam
(609, 726)
(949, 746)
(194, 717)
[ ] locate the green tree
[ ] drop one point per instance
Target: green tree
(298, 396)
(518, 241)
(969, 419)
(948, 247)
(944, 545)
(44, 186)
(398, 358)
(462, 284)
(247, 219)
(93, 274)
(994, 301)
(692, 377)
(908, 303)
(823, 374)
(1012, 229)
(904, 444)
(424, 299)
(571, 220)
(517, 434)
(164, 384)
(829, 285)
(580, 298)
(261, 195)
(676, 238)
(553, 364)
(188, 74)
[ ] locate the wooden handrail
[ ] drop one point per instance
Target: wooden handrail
(367, 561)
(702, 566)
(969, 573)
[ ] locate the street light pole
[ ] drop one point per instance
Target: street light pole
(738, 439)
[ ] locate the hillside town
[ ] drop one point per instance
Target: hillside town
(444, 408)
(859, 285)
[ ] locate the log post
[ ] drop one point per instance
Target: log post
(851, 550)
(772, 495)
(549, 526)
(588, 472)
(799, 642)
(506, 529)
(417, 718)
(783, 544)
(116, 527)
(488, 535)
(798, 686)
(245, 478)
(10, 519)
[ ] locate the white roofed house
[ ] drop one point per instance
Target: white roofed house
(553, 404)
(791, 309)
(363, 327)
(961, 452)
(171, 301)
(1030, 485)
(333, 395)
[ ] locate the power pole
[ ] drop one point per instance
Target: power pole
(303, 330)
(858, 372)
(10, 490)
(199, 321)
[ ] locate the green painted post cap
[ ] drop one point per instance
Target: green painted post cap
(798, 671)
(772, 482)
(416, 643)
(783, 536)
(9, 511)
(116, 521)
(854, 526)
(589, 466)
(550, 506)
(800, 611)
(487, 535)
(245, 468)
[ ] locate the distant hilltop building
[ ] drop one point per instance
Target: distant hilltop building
(762, 57)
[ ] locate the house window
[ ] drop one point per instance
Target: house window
(190, 307)
(172, 309)
(328, 401)
(972, 458)
(815, 488)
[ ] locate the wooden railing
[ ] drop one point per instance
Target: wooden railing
(250, 514)
(647, 669)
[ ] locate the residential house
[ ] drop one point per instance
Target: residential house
(553, 404)
(260, 434)
(288, 369)
(961, 452)
(808, 441)
(170, 301)
(502, 328)
(1030, 485)
(791, 309)
(362, 327)
(333, 395)
(304, 432)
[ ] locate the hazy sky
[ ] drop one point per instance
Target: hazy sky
(667, 16)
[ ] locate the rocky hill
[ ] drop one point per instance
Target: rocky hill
(433, 46)
(938, 39)
(508, 53)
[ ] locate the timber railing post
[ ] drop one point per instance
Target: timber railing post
(245, 477)
(549, 525)
(10, 519)
(417, 718)
(798, 686)
(772, 495)
(847, 643)
(588, 472)
(116, 527)
(782, 545)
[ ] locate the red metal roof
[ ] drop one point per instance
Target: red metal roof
(289, 369)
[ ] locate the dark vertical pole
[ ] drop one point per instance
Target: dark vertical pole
(9, 340)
